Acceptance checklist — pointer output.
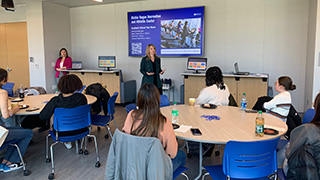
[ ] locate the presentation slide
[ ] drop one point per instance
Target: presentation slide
(174, 32)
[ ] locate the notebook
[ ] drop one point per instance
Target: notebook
(236, 67)
(76, 65)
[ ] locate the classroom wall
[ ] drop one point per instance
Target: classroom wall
(268, 36)
(57, 34)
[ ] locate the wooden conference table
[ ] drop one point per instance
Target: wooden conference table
(40, 101)
(234, 125)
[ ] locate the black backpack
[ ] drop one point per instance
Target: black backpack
(102, 96)
(293, 120)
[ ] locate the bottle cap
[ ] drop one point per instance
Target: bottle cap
(244, 93)
(175, 103)
(260, 112)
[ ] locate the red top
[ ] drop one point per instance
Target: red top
(66, 63)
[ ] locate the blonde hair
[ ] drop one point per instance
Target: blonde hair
(148, 51)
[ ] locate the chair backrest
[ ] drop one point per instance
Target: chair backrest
(9, 88)
(111, 104)
(150, 163)
(248, 160)
(130, 107)
(70, 119)
(308, 116)
(83, 87)
(164, 101)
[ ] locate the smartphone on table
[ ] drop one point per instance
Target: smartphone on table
(196, 132)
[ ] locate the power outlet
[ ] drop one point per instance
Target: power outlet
(54, 87)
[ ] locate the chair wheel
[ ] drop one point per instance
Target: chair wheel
(26, 172)
(80, 151)
(98, 128)
(217, 153)
(51, 176)
(48, 160)
(97, 164)
(189, 155)
(106, 136)
(86, 152)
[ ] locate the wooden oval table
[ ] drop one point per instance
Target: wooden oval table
(234, 124)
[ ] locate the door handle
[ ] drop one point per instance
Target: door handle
(9, 69)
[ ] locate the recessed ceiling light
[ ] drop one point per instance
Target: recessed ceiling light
(98, 0)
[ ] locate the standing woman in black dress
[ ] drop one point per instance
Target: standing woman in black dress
(150, 68)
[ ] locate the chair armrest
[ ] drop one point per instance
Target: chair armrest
(128, 91)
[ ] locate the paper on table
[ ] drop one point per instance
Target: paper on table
(183, 128)
(273, 127)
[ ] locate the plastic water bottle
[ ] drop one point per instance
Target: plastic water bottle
(21, 91)
(175, 114)
(244, 102)
(259, 125)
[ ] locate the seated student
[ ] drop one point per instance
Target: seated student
(301, 159)
(216, 91)
(11, 160)
(68, 98)
(149, 122)
(283, 86)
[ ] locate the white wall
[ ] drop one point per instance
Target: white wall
(57, 34)
(316, 75)
(267, 36)
(19, 14)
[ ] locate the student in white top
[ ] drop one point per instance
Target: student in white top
(280, 104)
(216, 91)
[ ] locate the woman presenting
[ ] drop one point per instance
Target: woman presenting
(150, 68)
(63, 62)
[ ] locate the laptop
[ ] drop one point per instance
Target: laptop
(236, 67)
(76, 65)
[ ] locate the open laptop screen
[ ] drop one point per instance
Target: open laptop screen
(76, 65)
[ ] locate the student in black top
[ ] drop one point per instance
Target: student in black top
(68, 98)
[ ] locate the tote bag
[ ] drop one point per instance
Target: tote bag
(3, 134)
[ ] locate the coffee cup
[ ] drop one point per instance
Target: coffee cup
(191, 101)
(13, 105)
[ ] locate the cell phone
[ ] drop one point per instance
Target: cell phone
(32, 109)
(251, 111)
(196, 132)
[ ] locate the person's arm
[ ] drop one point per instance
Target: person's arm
(57, 66)
(225, 100)
(143, 69)
(271, 104)
(128, 123)
(5, 112)
(48, 110)
(202, 98)
(171, 144)
(160, 70)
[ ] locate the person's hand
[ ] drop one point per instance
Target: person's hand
(162, 71)
(151, 73)
(58, 69)
(15, 109)
(63, 68)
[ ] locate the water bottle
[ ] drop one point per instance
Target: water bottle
(21, 91)
(244, 102)
(259, 125)
(175, 113)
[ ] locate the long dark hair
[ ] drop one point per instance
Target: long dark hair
(62, 50)
(316, 105)
(149, 109)
(214, 76)
(3, 76)
(287, 83)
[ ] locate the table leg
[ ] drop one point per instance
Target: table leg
(200, 161)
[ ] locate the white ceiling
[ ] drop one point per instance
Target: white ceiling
(76, 3)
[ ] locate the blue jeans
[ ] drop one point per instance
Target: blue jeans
(179, 160)
(24, 135)
(7, 122)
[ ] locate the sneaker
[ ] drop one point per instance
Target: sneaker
(2, 167)
(12, 167)
(68, 145)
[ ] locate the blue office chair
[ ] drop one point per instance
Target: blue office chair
(81, 90)
(130, 107)
(9, 87)
(247, 160)
(70, 119)
(180, 170)
(103, 120)
(164, 101)
(14, 143)
(308, 116)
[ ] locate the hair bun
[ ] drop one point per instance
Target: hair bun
(293, 87)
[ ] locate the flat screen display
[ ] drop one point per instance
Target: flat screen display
(197, 64)
(174, 32)
(106, 61)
